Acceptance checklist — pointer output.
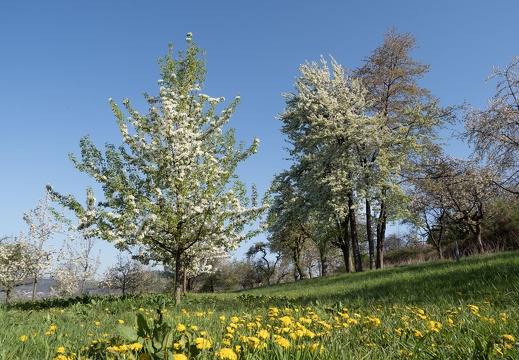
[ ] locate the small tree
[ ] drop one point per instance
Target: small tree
(17, 263)
(172, 185)
(129, 276)
(44, 223)
(76, 265)
(257, 255)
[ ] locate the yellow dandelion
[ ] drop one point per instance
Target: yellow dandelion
(179, 357)
(120, 321)
(313, 347)
(284, 343)
(60, 350)
(135, 346)
(202, 343)
(227, 353)
(264, 334)
(508, 337)
(181, 327)
(23, 338)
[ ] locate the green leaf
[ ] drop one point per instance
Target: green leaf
(143, 329)
(128, 333)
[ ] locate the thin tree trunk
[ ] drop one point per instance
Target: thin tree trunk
(8, 293)
(369, 232)
(357, 258)
(479, 240)
(34, 287)
(381, 235)
(178, 284)
(344, 243)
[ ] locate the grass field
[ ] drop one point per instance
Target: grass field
(439, 310)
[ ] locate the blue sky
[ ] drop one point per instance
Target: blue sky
(60, 62)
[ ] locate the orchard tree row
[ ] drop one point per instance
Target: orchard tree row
(364, 150)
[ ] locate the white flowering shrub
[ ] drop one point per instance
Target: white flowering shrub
(171, 186)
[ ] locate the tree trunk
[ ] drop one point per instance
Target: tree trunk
(184, 283)
(344, 242)
(296, 256)
(479, 240)
(324, 265)
(381, 235)
(178, 284)
(357, 258)
(369, 232)
(34, 287)
(8, 293)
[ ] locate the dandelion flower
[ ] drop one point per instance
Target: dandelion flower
(202, 343)
(23, 338)
(227, 353)
(284, 343)
(505, 336)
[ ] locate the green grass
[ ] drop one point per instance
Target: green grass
(438, 310)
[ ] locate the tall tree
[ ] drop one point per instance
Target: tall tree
(408, 112)
(172, 185)
(494, 132)
(324, 121)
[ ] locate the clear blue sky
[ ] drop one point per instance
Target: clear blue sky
(60, 62)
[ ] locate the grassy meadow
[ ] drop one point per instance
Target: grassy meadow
(437, 310)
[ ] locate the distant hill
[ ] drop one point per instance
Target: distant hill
(24, 292)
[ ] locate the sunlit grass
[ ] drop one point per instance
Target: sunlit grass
(439, 310)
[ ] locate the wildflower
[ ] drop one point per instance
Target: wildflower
(227, 353)
(508, 337)
(434, 326)
(53, 328)
(62, 357)
(179, 357)
(181, 327)
(97, 323)
(286, 320)
(202, 343)
(313, 347)
(23, 338)
(120, 321)
(60, 350)
(135, 346)
(284, 343)
(264, 334)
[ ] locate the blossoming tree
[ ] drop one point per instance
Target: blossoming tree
(44, 223)
(17, 264)
(172, 185)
